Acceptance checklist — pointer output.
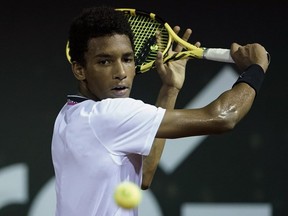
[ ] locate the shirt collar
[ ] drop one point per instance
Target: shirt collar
(74, 99)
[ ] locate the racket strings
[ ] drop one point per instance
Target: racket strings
(150, 36)
(142, 36)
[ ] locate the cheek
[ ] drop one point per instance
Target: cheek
(132, 73)
(131, 70)
(96, 74)
(96, 80)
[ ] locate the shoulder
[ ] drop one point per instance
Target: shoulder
(113, 103)
(123, 107)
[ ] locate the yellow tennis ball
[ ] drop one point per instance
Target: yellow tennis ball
(127, 195)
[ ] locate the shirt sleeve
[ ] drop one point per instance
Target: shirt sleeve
(126, 125)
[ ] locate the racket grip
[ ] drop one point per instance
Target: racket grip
(218, 54)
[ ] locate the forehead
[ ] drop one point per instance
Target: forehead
(109, 43)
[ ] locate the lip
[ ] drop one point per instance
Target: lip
(120, 91)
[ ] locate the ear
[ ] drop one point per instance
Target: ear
(78, 71)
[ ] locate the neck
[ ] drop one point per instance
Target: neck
(85, 92)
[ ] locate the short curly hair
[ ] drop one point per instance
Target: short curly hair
(95, 22)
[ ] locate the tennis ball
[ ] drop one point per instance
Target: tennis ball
(127, 195)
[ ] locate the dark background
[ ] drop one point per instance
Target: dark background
(248, 164)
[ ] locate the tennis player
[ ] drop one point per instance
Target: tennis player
(103, 137)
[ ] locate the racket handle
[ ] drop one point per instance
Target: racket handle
(218, 54)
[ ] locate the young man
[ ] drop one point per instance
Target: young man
(102, 137)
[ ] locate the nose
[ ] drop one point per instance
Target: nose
(119, 71)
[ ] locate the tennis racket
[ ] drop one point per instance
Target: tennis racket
(146, 26)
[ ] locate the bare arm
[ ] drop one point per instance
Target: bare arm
(219, 116)
(172, 76)
(228, 109)
(167, 98)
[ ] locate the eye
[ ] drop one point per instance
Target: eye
(104, 61)
(129, 58)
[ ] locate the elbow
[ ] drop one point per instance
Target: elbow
(145, 187)
(227, 119)
(147, 178)
(145, 184)
(227, 124)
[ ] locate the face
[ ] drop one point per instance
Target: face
(109, 69)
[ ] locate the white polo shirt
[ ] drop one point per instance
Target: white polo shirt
(97, 145)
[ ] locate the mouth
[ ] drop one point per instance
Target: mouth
(120, 91)
(119, 88)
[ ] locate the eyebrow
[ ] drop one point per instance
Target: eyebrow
(109, 55)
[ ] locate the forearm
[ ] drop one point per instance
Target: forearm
(237, 102)
(166, 99)
(231, 107)
(221, 115)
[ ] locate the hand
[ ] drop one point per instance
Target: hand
(249, 54)
(172, 73)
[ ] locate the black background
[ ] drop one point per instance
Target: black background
(248, 164)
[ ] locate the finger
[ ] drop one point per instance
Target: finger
(176, 29)
(159, 62)
(158, 37)
(197, 44)
(185, 37)
(234, 47)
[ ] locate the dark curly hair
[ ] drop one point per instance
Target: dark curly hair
(95, 22)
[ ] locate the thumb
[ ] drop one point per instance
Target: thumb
(159, 61)
(234, 47)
